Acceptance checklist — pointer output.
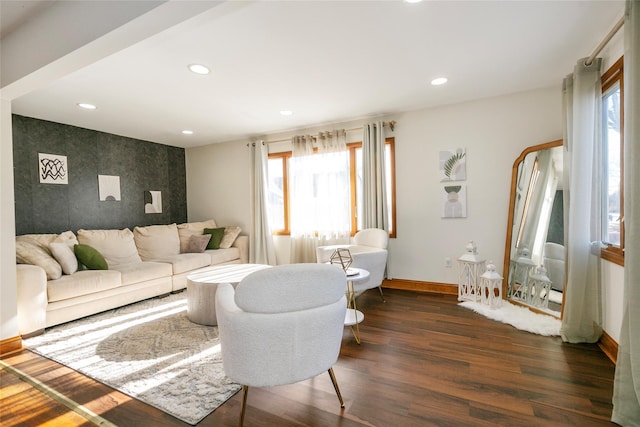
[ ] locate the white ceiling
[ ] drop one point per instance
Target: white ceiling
(327, 61)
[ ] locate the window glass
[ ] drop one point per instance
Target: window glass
(612, 177)
(325, 171)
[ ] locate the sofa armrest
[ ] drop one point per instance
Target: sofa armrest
(32, 298)
(242, 243)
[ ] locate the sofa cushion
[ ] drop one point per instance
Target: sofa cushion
(90, 257)
(221, 256)
(216, 237)
(30, 251)
(197, 244)
(82, 283)
(65, 257)
(188, 229)
(141, 271)
(157, 241)
(186, 262)
(116, 246)
(230, 235)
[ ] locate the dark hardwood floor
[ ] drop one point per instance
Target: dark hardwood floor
(423, 361)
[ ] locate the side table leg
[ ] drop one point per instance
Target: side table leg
(355, 329)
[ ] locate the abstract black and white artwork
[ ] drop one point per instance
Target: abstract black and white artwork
(153, 202)
(53, 169)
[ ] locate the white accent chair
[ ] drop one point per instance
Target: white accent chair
(553, 261)
(282, 325)
(368, 251)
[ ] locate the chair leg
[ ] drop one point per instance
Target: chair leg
(381, 294)
(335, 385)
(245, 391)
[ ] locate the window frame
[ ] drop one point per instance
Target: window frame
(351, 147)
(612, 76)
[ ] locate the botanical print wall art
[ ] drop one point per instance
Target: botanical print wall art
(53, 169)
(454, 201)
(453, 165)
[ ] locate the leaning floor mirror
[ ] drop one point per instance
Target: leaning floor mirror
(534, 263)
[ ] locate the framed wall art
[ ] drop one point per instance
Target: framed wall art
(53, 169)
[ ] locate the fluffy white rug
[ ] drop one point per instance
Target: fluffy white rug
(148, 350)
(519, 317)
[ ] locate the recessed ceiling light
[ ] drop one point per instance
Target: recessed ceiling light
(187, 132)
(199, 69)
(86, 106)
(412, 1)
(439, 81)
(286, 112)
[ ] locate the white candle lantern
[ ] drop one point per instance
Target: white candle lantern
(470, 266)
(491, 287)
(520, 270)
(539, 287)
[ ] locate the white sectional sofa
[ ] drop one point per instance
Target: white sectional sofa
(143, 263)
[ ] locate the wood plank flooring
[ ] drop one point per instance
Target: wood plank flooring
(423, 361)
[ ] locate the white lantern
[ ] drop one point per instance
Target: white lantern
(491, 287)
(539, 288)
(470, 267)
(519, 271)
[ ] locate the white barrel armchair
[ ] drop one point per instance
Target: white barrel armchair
(368, 251)
(282, 325)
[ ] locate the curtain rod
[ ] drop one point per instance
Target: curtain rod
(391, 125)
(604, 42)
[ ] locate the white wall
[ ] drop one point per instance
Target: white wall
(8, 292)
(494, 131)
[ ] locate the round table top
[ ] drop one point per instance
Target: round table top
(230, 273)
(355, 274)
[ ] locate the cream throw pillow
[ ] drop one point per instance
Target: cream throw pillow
(157, 241)
(188, 229)
(31, 251)
(116, 246)
(230, 236)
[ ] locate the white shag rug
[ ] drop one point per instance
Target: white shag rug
(148, 350)
(519, 317)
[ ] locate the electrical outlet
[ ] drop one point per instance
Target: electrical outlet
(447, 262)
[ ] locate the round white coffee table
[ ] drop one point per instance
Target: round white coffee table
(203, 283)
(354, 316)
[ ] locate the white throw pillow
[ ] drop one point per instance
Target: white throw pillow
(116, 246)
(157, 241)
(65, 257)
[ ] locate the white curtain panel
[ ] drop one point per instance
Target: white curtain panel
(374, 197)
(319, 195)
(582, 97)
(261, 250)
(626, 386)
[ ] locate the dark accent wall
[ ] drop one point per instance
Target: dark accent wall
(54, 208)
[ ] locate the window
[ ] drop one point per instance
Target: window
(613, 163)
(278, 197)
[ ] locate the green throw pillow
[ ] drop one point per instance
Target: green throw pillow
(90, 257)
(216, 237)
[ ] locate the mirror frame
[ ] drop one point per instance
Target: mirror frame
(512, 199)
